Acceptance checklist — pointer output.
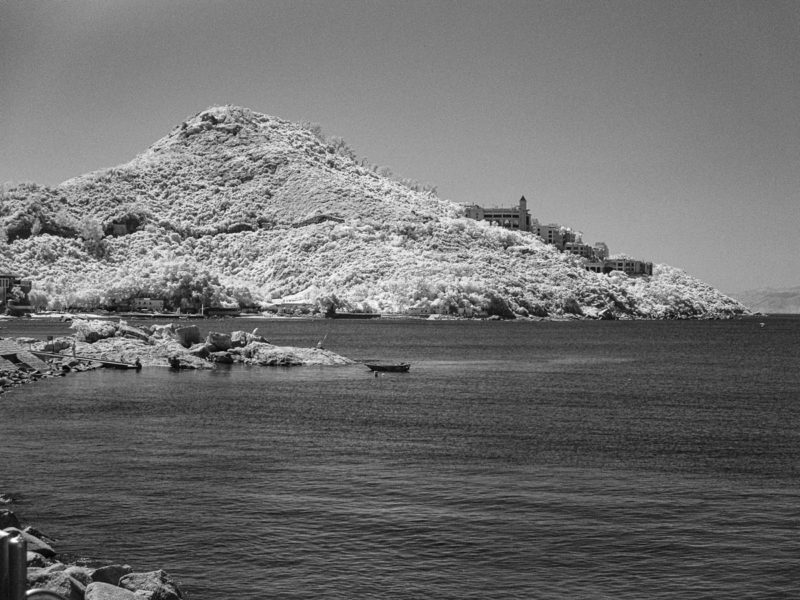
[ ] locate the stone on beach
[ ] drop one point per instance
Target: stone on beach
(111, 573)
(69, 581)
(220, 341)
(8, 519)
(158, 582)
(34, 543)
(99, 590)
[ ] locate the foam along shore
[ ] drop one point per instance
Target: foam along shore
(76, 582)
(179, 346)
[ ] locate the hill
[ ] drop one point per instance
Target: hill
(770, 300)
(237, 206)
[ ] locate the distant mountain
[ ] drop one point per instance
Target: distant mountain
(237, 206)
(769, 300)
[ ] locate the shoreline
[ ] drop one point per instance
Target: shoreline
(45, 569)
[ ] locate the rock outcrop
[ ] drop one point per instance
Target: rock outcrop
(164, 346)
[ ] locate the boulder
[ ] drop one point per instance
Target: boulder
(100, 590)
(36, 533)
(81, 574)
(162, 331)
(37, 560)
(8, 519)
(187, 336)
(34, 543)
(158, 582)
(132, 332)
(240, 339)
(220, 341)
(200, 350)
(110, 574)
(60, 582)
(57, 345)
(91, 331)
(223, 358)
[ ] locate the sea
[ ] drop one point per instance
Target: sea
(575, 459)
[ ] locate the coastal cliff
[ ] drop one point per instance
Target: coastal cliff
(236, 207)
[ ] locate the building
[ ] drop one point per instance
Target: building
(8, 282)
(629, 266)
(514, 217)
(152, 304)
(580, 249)
(601, 250)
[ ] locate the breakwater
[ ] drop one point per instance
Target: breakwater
(45, 570)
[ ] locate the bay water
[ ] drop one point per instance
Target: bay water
(515, 460)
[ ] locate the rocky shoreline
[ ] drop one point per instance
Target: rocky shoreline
(76, 582)
(170, 346)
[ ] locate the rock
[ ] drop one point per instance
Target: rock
(57, 345)
(37, 560)
(100, 590)
(240, 339)
(81, 574)
(162, 331)
(185, 360)
(200, 350)
(36, 533)
(132, 332)
(222, 358)
(188, 335)
(111, 573)
(8, 519)
(34, 543)
(92, 331)
(158, 582)
(60, 582)
(258, 353)
(221, 341)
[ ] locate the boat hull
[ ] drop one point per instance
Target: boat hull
(396, 368)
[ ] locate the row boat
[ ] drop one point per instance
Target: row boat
(389, 367)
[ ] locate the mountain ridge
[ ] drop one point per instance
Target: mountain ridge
(238, 206)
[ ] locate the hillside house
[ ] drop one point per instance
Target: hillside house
(8, 282)
(629, 266)
(147, 304)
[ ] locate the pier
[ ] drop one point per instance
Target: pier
(113, 364)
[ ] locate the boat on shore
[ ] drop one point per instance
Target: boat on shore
(389, 367)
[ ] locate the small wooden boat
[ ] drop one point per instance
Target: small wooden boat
(389, 367)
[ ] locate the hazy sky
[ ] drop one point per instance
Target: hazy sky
(669, 130)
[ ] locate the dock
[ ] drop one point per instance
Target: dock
(113, 364)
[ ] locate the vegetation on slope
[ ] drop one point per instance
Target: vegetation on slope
(233, 206)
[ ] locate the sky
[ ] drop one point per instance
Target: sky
(669, 130)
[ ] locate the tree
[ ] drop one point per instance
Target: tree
(38, 300)
(91, 233)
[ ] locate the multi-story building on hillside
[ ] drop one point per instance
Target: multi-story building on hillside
(514, 217)
(629, 266)
(596, 258)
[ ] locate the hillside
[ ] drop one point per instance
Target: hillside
(770, 300)
(237, 206)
